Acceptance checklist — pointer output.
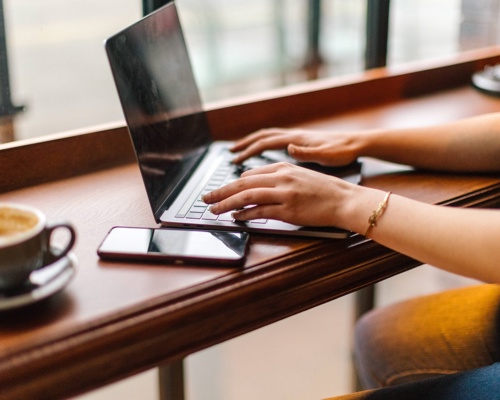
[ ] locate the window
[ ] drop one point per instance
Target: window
(59, 72)
(57, 65)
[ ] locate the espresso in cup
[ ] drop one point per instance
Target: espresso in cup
(25, 243)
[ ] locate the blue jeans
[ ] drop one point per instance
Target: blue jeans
(443, 346)
(477, 384)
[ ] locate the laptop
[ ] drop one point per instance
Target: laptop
(178, 159)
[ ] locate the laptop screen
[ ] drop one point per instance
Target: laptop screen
(160, 101)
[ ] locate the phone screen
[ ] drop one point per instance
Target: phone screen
(174, 245)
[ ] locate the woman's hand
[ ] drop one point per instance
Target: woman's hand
(284, 192)
(325, 148)
(436, 235)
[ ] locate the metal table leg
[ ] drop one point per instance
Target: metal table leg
(171, 380)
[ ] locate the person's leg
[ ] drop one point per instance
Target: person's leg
(429, 336)
(477, 384)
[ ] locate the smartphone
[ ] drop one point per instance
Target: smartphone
(175, 246)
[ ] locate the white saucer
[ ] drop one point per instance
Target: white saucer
(44, 283)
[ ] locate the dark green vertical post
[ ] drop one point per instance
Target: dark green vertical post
(377, 33)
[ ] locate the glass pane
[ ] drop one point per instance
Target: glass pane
(421, 29)
(343, 26)
(57, 63)
(240, 47)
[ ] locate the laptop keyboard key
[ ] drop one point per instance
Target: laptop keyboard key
(226, 217)
(208, 216)
(194, 215)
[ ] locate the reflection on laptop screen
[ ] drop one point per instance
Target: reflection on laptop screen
(161, 102)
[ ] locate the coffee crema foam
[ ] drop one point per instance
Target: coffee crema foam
(14, 221)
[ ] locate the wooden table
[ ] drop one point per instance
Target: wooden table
(117, 319)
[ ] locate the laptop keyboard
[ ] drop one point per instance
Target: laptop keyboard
(226, 172)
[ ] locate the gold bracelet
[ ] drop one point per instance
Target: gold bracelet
(372, 221)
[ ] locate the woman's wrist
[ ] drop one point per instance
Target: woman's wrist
(369, 143)
(360, 205)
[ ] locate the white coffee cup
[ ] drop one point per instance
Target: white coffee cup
(25, 243)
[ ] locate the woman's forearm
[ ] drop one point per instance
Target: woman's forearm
(463, 241)
(468, 145)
